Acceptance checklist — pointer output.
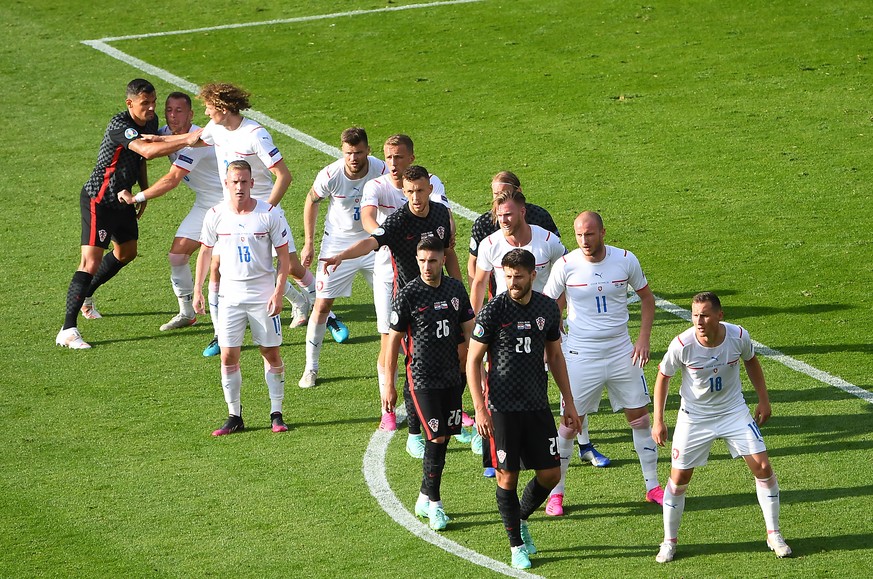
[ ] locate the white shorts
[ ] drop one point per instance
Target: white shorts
(693, 437)
(232, 321)
(608, 365)
(338, 284)
(383, 288)
(192, 225)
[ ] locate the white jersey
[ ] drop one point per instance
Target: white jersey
(596, 293)
(249, 142)
(386, 198)
(544, 245)
(710, 376)
(201, 171)
(245, 245)
(342, 224)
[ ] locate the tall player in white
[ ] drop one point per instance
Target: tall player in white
(342, 183)
(708, 356)
(382, 197)
(196, 166)
(244, 232)
(594, 280)
(236, 137)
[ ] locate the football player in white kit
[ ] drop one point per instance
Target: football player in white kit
(196, 166)
(594, 280)
(342, 183)
(244, 232)
(382, 197)
(236, 137)
(708, 357)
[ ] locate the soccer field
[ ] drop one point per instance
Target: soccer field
(728, 147)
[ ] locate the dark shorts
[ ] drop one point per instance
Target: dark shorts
(524, 438)
(439, 410)
(101, 224)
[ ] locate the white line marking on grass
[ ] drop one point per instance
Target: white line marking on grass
(377, 481)
(288, 20)
(783, 359)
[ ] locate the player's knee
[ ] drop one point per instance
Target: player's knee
(566, 432)
(549, 478)
(177, 259)
(640, 423)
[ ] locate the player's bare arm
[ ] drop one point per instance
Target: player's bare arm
(281, 183)
(310, 215)
(475, 356)
(162, 145)
(359, 249)
(642, 346)
(204, 262)
(763, 410)
(277, 300)
(659, 400)
(479, 288)
(368, 218)
(558, 368)
(165, 184)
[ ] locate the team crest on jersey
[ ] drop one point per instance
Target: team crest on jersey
(130, 133)
(478, 331)
(441, 231)
(715, 370)
(456, 303)
(523, 325)
(541, 323)
(434, 424)
(600, 288)
(440, 306)
(501, 455)
(242, 238)
(102, 235)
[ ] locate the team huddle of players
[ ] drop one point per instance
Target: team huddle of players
(391, 221)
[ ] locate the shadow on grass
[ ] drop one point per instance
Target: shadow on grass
(801, 546)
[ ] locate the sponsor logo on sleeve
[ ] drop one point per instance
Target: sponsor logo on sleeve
(274, 152)
(473, 244)
(394, 317)
(186, 159)
(478, 331)
(130, 133)
(378, 231)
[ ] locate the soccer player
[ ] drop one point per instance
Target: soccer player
(248, 230)
(593, 280)
(382, 197)
(196, 166)
(416, 219)
(517, 329)
(120, 164)
(708, 356)
(432, 312)
(237, 137)
(342, 183)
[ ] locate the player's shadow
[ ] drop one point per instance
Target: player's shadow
(331, 423)
(801, 546)
(794, 350)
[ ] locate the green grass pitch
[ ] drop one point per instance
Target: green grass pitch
(726, 144)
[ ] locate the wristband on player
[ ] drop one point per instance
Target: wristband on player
(139, 197)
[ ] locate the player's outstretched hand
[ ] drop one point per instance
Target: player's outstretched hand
(659, 433)
(193, 137)
(762, 412)
(389, 398)
(640, 357)
(330, 264)
(306, 255)
(198, 302)
(276, 303)
(484, 426)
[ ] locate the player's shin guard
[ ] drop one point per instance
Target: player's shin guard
(314, 340)
(213, 305)
(275, 378)
(674, 506)
(183, 282)
(107, 270)
(534, 496)
(76, 297)
(231, 383)
(565, 449)
(510, 512)
(433, 464)
(647, 450)
(768, 498)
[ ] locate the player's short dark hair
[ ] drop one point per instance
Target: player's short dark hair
(504, 196)
(139, 86)
(225, 96)
(710, 297)
(355, 136)
(180, 95)
(239, 165)
(519, 259)
(430, 243)
(398, 140)
(415, 172)
(507, 177)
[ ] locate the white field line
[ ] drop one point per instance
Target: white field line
(374, 458)
(288, 20)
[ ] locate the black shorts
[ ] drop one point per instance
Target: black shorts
(100, 224)
(524, 438)
(439, 410)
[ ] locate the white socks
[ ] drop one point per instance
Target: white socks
(231, 383)
(674, 506)
(314, 340)
(183, 282)
(647, 450)
(768, 497)
(275, 378)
